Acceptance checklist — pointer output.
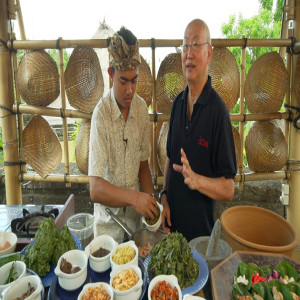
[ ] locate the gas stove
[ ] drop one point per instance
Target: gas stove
(23, 220)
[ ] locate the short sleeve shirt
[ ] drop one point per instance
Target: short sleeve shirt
(116, 150)
(209, 145)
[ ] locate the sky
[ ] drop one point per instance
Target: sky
(163, 19)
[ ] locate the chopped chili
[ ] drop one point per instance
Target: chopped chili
(255, 278)
(164, 291)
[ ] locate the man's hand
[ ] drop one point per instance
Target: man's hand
(146, 205)
(166, 215)
(190, 177)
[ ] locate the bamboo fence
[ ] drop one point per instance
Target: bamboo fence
(64, 113)
(154, 116)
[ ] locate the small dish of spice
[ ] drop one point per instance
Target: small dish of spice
(98, 251)
(153, 224)
(71, 269)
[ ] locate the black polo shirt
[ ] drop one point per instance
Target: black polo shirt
(209, 145)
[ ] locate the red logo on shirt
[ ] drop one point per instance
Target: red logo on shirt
(203, 142)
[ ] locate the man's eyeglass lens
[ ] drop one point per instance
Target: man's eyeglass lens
(195, 46)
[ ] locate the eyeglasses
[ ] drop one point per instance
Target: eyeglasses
(195, 46)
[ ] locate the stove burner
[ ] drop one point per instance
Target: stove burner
(28, 225)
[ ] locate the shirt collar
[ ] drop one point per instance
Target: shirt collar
(116, 113)
(203, 98)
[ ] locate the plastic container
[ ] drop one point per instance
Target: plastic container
(82, 226)
(200, 245)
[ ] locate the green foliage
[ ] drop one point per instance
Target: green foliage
(262, 26)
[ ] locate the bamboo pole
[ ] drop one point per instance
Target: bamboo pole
(102, 43)
(71, 113)
(64, 119)
(85, 179)
(242, 104)
(293, 207)
(19, 116)
(8, 119)
(50, 111)
(56, 178)
(154, 109)
(20, 20)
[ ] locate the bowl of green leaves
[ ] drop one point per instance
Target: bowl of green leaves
(10, 273)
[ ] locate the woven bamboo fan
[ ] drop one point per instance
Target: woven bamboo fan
(297, 80)
(266, 84)
(266, 148)
(82, 146)
(144, 85)
(41, 146)
(162, 146)
(37, 78)
(83, 79)
(225, 76)
(170, 81)
(237, 145)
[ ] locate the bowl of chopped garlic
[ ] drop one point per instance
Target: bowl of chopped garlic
(126, 282)
(123, 255)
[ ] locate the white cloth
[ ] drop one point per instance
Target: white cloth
(116, 150)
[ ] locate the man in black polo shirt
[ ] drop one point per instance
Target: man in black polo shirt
(201, 163)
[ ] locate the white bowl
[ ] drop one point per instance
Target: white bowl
(19, 267)
(134, 261)
(96, 284)
(71, 282)
(155, 226)
(133, 293)
(171, 279)
(191, 297)
(19, 287)
(100, 264)
(11, 238)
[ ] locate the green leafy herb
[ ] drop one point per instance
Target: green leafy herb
(172, 255)
(49, 245)
(12, 275)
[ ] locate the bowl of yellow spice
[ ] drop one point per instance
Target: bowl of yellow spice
(123, 255)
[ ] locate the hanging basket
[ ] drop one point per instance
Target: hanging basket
(82, 146)
(37, 78)
(41, 146)
(266, 84)
(266, 148)
(225, 76)
(170, 82)
(83, 79)
(162, 146)
(144, 85)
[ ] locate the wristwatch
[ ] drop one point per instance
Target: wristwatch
(161, 193)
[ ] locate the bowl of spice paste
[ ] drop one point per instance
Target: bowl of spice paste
(98, 251)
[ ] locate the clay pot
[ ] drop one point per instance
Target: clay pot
(250, 228)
